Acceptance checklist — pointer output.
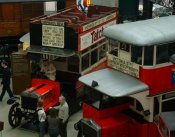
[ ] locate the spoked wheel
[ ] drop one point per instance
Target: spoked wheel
(15, 115)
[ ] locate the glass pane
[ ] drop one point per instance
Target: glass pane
(114, 47)
(162, 54)
(124, 46)
(85, 62)
(136, 54)
(171, 49)
(94, 57)
(148, 56)
(102, 51)
(168, 105)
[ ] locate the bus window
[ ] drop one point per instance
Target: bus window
(94, 57)
(136, 54)
(148, 56)
(114, 47)
(168, 102)
(171, 49)
(85, 62)
(124, 46)
(73, 63)
(162, 54)
(93, 98)
(102, 51)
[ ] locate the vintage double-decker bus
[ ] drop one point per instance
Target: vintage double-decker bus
(73, 41)
(134, 96)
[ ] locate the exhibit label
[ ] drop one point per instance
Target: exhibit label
(53, 36)
(127, 67)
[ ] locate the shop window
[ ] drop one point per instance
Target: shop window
(85, 62)
(136, 54)
(148, 56)
(162, 54)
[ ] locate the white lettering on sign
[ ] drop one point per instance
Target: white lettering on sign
(96, 34)
(53, 36)
(127, 67)
(90, 38)
(98, 22)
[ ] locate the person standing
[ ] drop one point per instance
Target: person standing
(48, 70)
(53, 123)
(6, 74)
(41, 118)
(63, 116)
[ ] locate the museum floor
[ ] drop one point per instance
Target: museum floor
(20, 132)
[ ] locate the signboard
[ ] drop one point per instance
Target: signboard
(54, 23)
(90, 38)
(98, 22)
(127, 67)
(53, 36)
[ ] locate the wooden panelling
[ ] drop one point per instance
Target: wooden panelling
(15, 17)
(70, 3)
(10, 28)
(0, 12)
(7, 11)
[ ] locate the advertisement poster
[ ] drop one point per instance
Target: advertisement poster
(53, 36)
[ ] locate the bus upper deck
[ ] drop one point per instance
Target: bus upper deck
(73, 37)
(143, 49)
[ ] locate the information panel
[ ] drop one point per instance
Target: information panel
(127, 67)
(53, 36)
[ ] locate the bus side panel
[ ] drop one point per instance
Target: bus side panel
(159, 79)
(137, 129)
(95, 114)
(115, 126)
(153, 131)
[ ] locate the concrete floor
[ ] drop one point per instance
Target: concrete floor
(18, 132)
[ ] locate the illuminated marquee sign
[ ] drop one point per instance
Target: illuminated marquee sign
(127, 67)
(90, 38)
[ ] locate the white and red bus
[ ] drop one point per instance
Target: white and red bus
(135, 95)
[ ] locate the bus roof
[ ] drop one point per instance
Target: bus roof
(144, 33)
(114, 83)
